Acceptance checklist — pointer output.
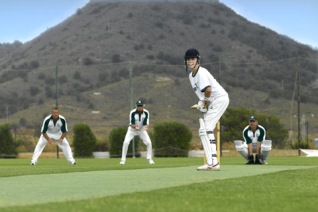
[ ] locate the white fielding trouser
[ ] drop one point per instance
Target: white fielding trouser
(65, 147)
(143, 135)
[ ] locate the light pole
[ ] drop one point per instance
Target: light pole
(307, 127)
(298, 108)
(131, 104)
(56, 103)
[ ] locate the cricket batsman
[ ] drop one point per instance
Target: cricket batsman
(213, 101)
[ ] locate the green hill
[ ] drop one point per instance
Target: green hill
(92, 62)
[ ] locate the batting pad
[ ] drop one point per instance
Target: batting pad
(205, 142)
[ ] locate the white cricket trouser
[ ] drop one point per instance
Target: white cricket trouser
(143, 135)
(216, 110)
(211, 118)
(65, 147)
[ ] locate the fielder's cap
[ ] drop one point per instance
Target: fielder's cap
(139, 103)
(253, 118)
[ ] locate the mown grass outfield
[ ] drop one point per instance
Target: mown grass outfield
(172, 184)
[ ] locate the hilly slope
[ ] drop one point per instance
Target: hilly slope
(94, 60)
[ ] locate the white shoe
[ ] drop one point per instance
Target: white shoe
(122, 162)
(33, 163)
(151, 161)
(205, 167)
(216, 167)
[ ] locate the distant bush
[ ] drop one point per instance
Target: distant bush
(159, 24)
(101, 146)
(171, 59)
(50, 81)
(77, 75)
(150, 57)
(139, 47)
(84, 141)
(41, 76)
(23, 122)
(34, 64)
(62, 79)
(130, 15)
(116, 58)
(34, 90)
(171, 139)
(187, 20)
(7, 144)
(88, 61)
(48, 91)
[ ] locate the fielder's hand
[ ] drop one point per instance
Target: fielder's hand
(50, 140)
(146, 127)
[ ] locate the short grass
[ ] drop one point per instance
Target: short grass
(172, 184)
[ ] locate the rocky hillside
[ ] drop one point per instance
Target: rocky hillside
(99, 61)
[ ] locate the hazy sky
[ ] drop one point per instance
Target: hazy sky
(24, 20)
(297, 19)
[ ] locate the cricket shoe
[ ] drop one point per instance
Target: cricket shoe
(207, 167)
(151, 161)
(216, 167)
(122, 162)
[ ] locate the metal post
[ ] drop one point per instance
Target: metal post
(131, 105)
(298, 104)
(56, 103)
(307, 129)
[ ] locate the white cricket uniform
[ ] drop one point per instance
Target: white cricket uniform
(253, 137)
(219, 101)
(53, 131)
(140, 120)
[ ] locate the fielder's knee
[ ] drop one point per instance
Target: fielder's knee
(241, 147)
(266, 147)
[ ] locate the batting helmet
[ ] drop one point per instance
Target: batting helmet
(191, 53)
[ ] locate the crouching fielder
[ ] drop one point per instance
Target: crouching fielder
(213, 101)
(54, 129)
(254, 142)
(139, 122)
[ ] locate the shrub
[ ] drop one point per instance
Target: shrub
(171, 139)
(116, 139)
(84, 141)
(34, 90)
(116, 58)
(7, 144)
(101, 146)
(87, 61)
